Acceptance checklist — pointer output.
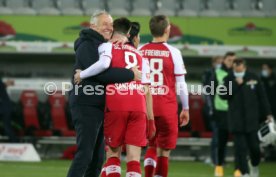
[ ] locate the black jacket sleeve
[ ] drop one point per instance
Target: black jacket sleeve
(115, 75)
(207, 79)
(232, 87)
(262, 98)
(86, 55)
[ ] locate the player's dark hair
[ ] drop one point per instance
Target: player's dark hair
(135, 29)
(228, 54)
(216, 58)
(239, 61)
(158, 24)
(121, 25)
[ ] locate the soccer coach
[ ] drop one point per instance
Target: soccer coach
(247, 104)
(87, 100)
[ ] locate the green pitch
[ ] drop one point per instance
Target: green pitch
(58, 168)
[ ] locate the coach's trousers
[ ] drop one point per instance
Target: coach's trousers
(88, 123)
(7, 123)
(244, 143)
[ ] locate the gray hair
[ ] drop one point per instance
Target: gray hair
(96, 14)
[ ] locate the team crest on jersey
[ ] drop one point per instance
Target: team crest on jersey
(117, 47)
(148, 76)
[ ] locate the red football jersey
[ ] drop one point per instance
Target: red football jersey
(165, 63)
(126, 96)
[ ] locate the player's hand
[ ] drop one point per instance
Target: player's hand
(269, 119)
(121, 40)
(184, 118)
(151, 129)
(137, 73)
(9, 83)
(239, 80)
(77, 79)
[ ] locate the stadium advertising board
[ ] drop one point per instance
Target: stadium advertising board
(18, 152)
(57, 33)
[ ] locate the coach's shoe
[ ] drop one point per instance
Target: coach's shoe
(219, 171)
(237, 173)
(254, 171)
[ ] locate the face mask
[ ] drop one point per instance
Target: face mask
(239, 74)
(264, 73)
(218, 66)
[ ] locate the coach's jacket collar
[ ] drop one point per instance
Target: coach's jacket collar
(88, 34)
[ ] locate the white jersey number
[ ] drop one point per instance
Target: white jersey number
(130, 59)
(156, 67)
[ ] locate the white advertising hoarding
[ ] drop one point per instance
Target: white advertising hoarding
(18, 152)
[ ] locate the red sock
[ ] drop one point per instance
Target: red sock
(150, 162)
(113, 168)
(162, 167)
(103, 173)
(133, 169)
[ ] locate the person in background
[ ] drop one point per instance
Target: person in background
(6, 110)
(248, 103)
(208, 105)
(269, 80)
(220, 112)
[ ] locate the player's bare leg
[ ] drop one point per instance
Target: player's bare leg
(113, 163)
(162, 162)
(108, 154)
(133, 161)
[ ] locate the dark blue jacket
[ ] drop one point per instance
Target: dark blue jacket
(86, 50)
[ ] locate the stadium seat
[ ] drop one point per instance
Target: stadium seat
(119, 7)
(182, 134)
(142, 8)
(230, 9)
(211, 8)
(69, 152)
(247, 8)
(269, 7)
(29, 102)
(189, 8)
(21, 7)
(90, 6)
(197, 123)
(70, 7)
(57, 103)
(168, 8)
(45, 7)
(4, 10)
